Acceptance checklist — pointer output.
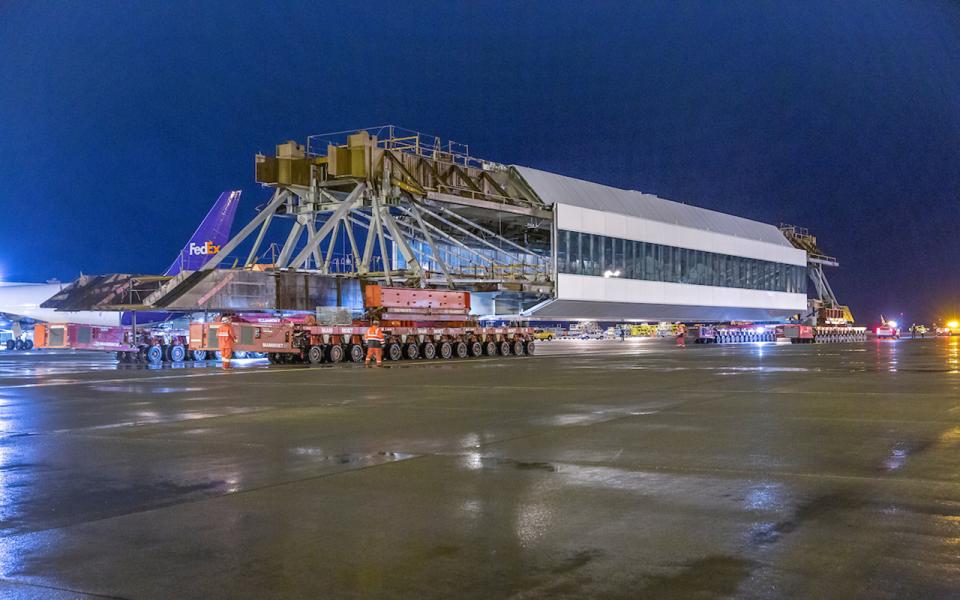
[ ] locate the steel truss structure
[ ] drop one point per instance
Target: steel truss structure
(801, 238)
(397, 207)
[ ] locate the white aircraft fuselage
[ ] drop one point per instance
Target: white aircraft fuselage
(22, 301)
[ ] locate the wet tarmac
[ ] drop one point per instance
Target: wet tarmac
(594, 470)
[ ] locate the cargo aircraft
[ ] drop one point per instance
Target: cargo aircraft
(20, 302)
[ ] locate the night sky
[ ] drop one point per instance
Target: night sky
(120, 122)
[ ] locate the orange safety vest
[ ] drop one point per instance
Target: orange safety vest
(224, 334)
(374, 333)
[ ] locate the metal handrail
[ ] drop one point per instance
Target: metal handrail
(391, 137)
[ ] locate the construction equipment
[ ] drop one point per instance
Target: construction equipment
(146, 346)
(417, 323)
(831, 321)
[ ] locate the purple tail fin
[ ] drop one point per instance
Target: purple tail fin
(213, 233)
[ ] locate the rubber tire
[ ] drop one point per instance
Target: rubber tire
(490, 348)
(411, 351)
(217, 355)
(28, 344)
(315, 355)
(18, 345)
(121, 356)
(460, 350)
(503, 348)
(530, 347)
(518, 347)
(357, 353)
(335, 353)
(476, 348)
(11, 345)
(240, 354)
(393, 351)
(154, 355)
(272, 357)
(429, 350)
(445, 350)
(177, 353)
(199, 355)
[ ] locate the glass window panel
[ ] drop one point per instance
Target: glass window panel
(640, 260)
(576, 252)
(666, 253)
(607, 262)
(562, 251)
(595, 255)
(618, 263)
(651, 271)
(586, 254)
(677, 264)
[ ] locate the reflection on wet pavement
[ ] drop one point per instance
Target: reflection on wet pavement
(595, 469)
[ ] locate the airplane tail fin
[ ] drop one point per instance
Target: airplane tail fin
(213, 232)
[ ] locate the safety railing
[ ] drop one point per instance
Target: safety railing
(391, 137)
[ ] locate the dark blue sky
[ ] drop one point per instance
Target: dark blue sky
(120, 122)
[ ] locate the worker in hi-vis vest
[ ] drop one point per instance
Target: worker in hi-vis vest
(225, 340)
(374, 343)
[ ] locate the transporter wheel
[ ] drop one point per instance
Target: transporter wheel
(429, 350)
(504, 348)
(315, 355)
(177, 353)
(394, 351)
(217, 355)
(154, 355)
(357, 353)
(121, 357)
(411, 351)
(461, 349)
(28, 344)
(490, 348)
(518, 347)
(336, 353)
(18, 345)
(239, 354)
(530, 346)
(11, 344)
(199, 355)
(272, 357)
(476, 348)
(445, 350)
(165, 348)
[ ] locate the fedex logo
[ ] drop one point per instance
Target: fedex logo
(207, 248)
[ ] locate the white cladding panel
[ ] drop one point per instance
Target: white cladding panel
(634, 291)
(553, 189)
(587, 220)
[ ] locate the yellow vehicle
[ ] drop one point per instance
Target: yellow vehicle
(544, 335)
